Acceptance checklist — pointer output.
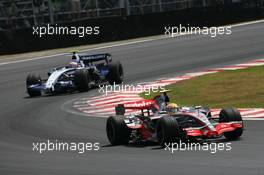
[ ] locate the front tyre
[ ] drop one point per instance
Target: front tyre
(230, 115)
(117, 131)
(82, 80)
(168, 130)
(32, 79)
(116, 73)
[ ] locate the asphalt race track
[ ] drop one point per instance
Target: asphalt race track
(26, 120)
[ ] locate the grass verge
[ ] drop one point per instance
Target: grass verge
(242, 88)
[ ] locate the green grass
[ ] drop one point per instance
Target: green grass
(239, 88)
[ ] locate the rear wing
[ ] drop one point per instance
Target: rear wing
(96, 57)
(148, 105)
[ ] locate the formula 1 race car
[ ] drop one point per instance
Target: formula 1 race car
(193, 124)
(85, 72)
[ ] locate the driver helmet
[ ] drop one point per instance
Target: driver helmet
(171, 108)
(75, 56)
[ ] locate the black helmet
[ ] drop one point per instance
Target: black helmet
(74, 57)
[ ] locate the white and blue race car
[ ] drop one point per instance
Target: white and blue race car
(84, 72)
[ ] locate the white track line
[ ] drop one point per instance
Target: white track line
(254, 119)
(117, 45)
(251, 64)
(86, 50)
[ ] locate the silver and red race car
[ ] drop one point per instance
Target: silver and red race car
(185, 124)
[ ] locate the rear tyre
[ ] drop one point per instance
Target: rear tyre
(168, 130)
(229, 115)
(116, 73)
(32, 79)
(82, 80)
(117, 131)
